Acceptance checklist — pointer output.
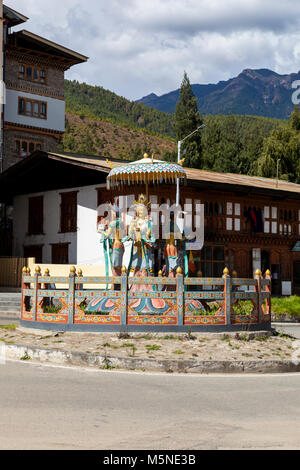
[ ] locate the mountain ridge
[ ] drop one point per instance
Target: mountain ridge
(256, 92)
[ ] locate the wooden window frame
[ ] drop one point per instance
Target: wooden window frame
(23, 76)
(271, 220)
(213, 261)
(36, 218)
(32, 101)
(64, 245)
(28, 141)
(33, 247)
(65, 225)
(233, 217)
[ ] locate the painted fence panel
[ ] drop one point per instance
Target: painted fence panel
(152, 301)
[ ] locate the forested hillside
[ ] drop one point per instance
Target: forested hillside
(95, 136)
(95, 101)
(99, 122)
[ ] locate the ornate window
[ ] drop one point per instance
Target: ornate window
(233, 219)
(32, 108)
(32, 73)
(24, 147)
(212, 261)
(270, 219)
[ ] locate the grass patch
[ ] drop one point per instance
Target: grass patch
(243, 337)
(52, 309)
(147, 336)
(178, 351)
(261, 338)
(6, 342)
(107, 364)
(243, 307)
(153, 347)
(286, 305)
(25, 357)
(11, 327)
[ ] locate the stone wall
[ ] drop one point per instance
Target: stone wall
(49, 144)
(54, 85)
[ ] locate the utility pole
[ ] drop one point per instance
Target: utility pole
(2, 90)
(179, 157)
(277, 172)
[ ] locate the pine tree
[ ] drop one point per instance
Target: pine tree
(187, 119)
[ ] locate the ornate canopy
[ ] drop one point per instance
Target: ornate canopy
(147, 170)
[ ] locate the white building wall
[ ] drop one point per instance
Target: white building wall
(84, 245)
(89, 250)
(55, 111)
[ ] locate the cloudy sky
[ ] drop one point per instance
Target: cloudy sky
(141, 46)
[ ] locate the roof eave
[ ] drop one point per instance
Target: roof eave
(75, 56)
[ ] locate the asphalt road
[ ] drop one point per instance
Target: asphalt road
(44, 407)
(292, 329)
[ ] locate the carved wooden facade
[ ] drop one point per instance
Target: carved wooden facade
(241, 232)
(34, 111)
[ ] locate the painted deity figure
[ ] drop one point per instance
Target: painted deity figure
(140, 234)
(175, 253)
(113, 249)
(171, 255)
(141, 262)
(112, 244)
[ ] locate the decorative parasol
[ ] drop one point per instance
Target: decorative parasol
(147, 170)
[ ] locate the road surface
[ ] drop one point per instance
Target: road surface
(292, 329)
(47, 407)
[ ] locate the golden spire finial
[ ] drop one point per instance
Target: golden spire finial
(110, 164)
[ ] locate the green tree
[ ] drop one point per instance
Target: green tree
(187, 119)
(282, 149)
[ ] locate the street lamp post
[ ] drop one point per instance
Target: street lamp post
(178, 160)
(277, 172)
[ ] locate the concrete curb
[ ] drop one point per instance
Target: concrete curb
(284, 318)
(74, 358)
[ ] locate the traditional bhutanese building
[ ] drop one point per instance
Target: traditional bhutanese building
(34, 109)
(249, 222)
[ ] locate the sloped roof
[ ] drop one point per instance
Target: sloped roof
(47, 46)
(13, 17)
(192, 174)
(196, 178)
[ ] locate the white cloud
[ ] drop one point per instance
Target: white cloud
(139, 46)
